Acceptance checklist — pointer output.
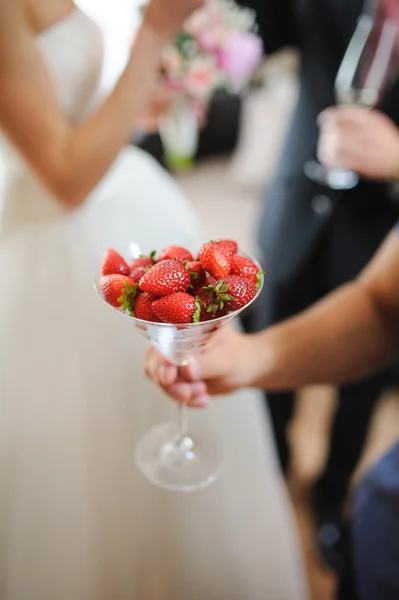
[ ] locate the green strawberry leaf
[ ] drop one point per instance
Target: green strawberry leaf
(259, 276)
(209, 290)
(129, 293)
(226, 297)
(197, 312)
(194, 275)
(151, 255)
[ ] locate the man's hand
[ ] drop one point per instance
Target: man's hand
(225, 366)
(362, 140)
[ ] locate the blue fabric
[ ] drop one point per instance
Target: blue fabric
(376, 530)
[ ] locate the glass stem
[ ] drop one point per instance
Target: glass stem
(183, 421)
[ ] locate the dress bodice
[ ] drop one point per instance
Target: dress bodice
(73, 52)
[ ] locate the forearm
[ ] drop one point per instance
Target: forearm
(89, 151)
(70, 160)
(342, 338)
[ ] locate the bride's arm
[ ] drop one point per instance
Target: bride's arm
(71, 161)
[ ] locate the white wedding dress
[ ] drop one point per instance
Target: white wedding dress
(77, 519)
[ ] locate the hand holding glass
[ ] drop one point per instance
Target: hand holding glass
(366, 71)
(172, 455)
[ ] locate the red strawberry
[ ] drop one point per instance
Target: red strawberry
(114, 264)
(235, 292)
(166, 277)
(210, 280)
(177, 308)
(209, 312)
(119, 291)
(245, 267)
(143, 307)
(210, 315)
(175, 253)
(216, 258)
(197, 273)
(137, 273)
(143, 261)
(230, 244)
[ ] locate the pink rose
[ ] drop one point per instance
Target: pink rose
(201, 79)
(197, 23)
(208, 40)
(240, 56)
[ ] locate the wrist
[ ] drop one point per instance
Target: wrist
(157, 34)
(156, 24)
(261, 360)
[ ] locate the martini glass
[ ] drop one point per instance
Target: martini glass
(177, 456)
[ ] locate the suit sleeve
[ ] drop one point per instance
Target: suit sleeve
(277, 21)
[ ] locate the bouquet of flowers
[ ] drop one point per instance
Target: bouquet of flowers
(217, 49)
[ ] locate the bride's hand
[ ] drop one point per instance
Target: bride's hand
(151, 118)
(224, 367)
(167, 16)
(160, 103)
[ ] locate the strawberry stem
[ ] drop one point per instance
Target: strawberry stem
(129, 293)
(218, 296)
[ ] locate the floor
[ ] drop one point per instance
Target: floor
(227, 195)
(226, 210)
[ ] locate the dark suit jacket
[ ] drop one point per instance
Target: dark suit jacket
(290, 228)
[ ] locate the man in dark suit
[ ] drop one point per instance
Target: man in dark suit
(314, 239)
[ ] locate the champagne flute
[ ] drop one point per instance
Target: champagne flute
(366, 71)
(174, 455)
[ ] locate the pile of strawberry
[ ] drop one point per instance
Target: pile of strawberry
(178, 289)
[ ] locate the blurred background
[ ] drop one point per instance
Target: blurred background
(229, 184)
(236, 159)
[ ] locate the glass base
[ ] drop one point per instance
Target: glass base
(179, 163)
(179, 464)
(336, 179)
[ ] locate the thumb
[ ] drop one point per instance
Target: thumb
(206, 366)
(325, 116)
(193, 371)
(215, 361)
